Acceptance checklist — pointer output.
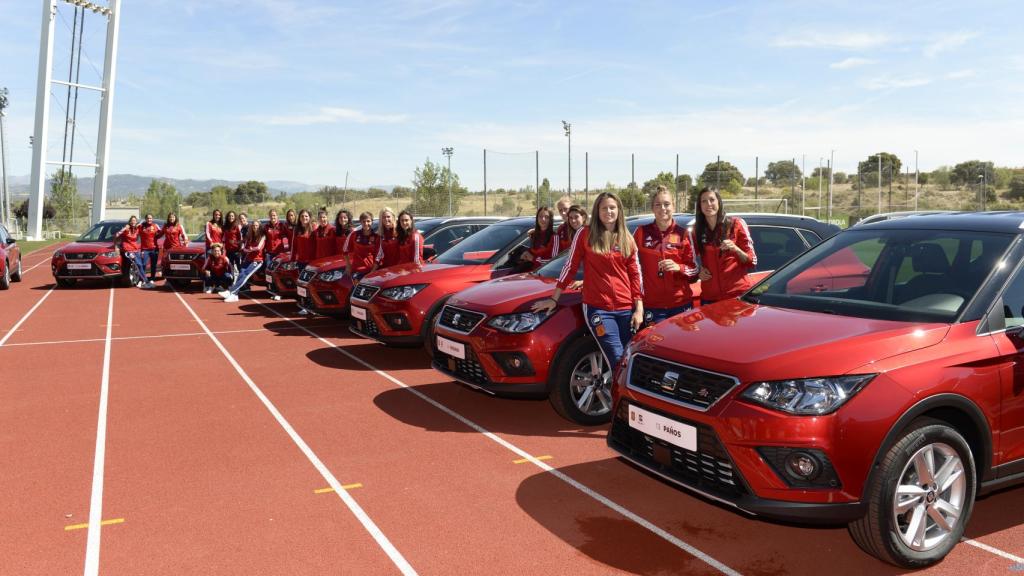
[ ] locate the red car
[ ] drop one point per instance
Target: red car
(324, 282)
(489, 339)
(95, 255)
(184, 265)
(282, 275)
(397, 305)
(10, 259)
(889, 403)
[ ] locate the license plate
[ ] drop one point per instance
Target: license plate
(79, 266)
(451, 347)
(359, 313)
(181, 267)
(682, 435)
(301, 291)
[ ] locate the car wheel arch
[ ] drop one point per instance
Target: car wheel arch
(567, 342)
(960, 413)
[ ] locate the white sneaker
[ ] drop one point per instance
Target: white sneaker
(207, 290)
(275, 298)
(223, 293)
(303, 312)
(148, 286)
(231, 298)
(138, 284)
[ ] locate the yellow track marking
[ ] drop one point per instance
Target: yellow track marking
(86, 525)
(525, 460)
(329, 489)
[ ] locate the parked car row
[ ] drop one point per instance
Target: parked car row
(10, 259)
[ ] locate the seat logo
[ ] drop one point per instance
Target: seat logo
(669, 381)
(456, 318)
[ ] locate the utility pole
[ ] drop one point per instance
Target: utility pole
(879, 182)
(568, 134)
(586, 178)
(448, 151)
(917, 186)
(831, 181)
(757, 174)
(6, 208)
(536, 173)
(485, 181)
(718, 173)
(632, 169)
(675, 183)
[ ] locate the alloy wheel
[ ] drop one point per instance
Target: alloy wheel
(590, 385)
(930, 496)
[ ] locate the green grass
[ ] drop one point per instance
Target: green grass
(27, 246)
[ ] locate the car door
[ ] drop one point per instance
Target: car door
(774, 246)
(1010, 342)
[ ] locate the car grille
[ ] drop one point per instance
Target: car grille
(460, 320)
(182, 256)
(79, 255)
(274, 265)
(468, 370)
(685, 385)
(181, 273)
(709, 469)
(307, 275)
(367, 327)
(364, 292)
(93, 271)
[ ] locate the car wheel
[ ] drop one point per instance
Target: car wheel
(920, 499)
(429, 339)
(5, 278)
(179, 284)
(582, 387)
(16, 277)
(66, 282)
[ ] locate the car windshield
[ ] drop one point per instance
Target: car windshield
(887, 274)
(427, 225)
(481, 247)
(102, 232)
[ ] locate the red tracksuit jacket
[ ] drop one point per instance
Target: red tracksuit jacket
(303, 246)
(411, 250)
(671, 289)
(214, 234)
(611, 281)
(233, 238)
(325, 242)
(563, 239)
(387, 252)
(728, 274)
(217, 266)
(148, 235)
(275, 236)
(362, 250)
(130, 239)
(173, 236)
(542, 249)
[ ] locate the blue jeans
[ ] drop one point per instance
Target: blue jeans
(611, 329)
(219, 280)
(235, 258)
(655, 315)
(245, 275)
(139, 263)
(149, 259)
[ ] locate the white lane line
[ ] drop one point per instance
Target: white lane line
(994, 550)
(382, 540)
(678, 543)
(27, 270)
(92, 545)
(151, 337)
(23, 318)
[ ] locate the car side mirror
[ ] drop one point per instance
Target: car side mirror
(11, 241)
(1016, 332)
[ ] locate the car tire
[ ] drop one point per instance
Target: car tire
(428, 328)
(582, 387)
(66, 282)
(16, 276)
(5, 278)
(904, 494)
(179, 284)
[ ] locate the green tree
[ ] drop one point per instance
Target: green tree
(160, 198)
(251, 192)
(432, 183)
(220, 196)
(890, 166)
(544, 194)
(782, 173)
(21, 210)
(970, 173)
(1016, 191)
(64, 194)
(633, 198)
(821, 172)
(718, 174)
(666, 179)
(376, 193)
(941, 177)
(840, 178)
(401, 192)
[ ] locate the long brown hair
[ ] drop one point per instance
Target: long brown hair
(542, 237)
(602, 240)
(702, 231)
(403, 236)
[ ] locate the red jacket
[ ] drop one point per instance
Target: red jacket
(303, 246)
(325, 242)
(563, 237)
(728, 274)
(217, 266)
(361, 250)
(233, 238)
(274, 238)
(174, 236)
(254, 253)
(671, 289)
(340, 239)
(411, 250)
(542, 250)
(148, 235)
(130, 239)
(387, 252)
(214, 234)
(611, 281)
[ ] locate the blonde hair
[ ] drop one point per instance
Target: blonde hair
(661, 189)
(602, 240)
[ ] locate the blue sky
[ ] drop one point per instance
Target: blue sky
(307, 90)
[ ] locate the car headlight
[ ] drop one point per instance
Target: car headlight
(807, 396)
(331, 275)
(289, 266)
(402, 292)
(58, 254)
(518, 323)
(111, 254)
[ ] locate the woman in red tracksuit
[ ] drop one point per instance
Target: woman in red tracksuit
(325, 237)
(542, 240)
(361, 247)
(233, 239)
(275, 232)
(666, 261)
(253, 249)
(217, 270)
(410, 241)
(303, 245)
(214, 230)
(173, 233)
(612, 286)
(129, 237)
(387, 254)
(726, 250)
(342, 228)
(291, 219)
(575, 218)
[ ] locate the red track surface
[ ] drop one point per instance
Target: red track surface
(206, 480)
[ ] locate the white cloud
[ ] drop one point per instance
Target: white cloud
(333, 115)
(835, 40)
(892, 83)
(850, 63)
(948, 42)
(959, 74)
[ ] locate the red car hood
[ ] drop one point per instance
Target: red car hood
(328, 263)
(510, 294)
(76, 247)
(425, 274)
(191, 247)
(754, 342)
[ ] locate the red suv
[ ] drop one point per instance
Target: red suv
(488, 338)
(184, 265)
(397, 305)
(10, 259)
(888, 402)
(95, 255)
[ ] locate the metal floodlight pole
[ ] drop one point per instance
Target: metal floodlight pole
(99, 194)
(757, 174)
(917, 186)
(568, 134)
(447, 151)
(485, 181)
(6, 207)
(38, 185)
(831, 181)
(536, 174)
(879, 182)
(586, 178)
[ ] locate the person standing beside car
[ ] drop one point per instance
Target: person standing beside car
(666, 261)
(214, 230)
(410, 241)
(253, 248)
(324, 236)
(232, 239)
(725, 247)
(149, 231)
(303, 244)
(387, 253)
(342, 228)
(575, 218)
(129, 237)
(274, 231)
(613, 306)
(361, 247)
(542, 240)
(291, 219)
(173, 233)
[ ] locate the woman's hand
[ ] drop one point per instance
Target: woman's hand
(730, 245)
(545, 305)
(637, 320)
(704, 274)
(668, 265)
(526, 257)
(576, 285)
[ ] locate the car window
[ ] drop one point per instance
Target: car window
(101, 232)
(775, 245)
(481, 247)
(812, 238)
(3, 235)
(1013, 301)
(442, 240)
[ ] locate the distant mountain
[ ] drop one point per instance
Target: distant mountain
(121, 185)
